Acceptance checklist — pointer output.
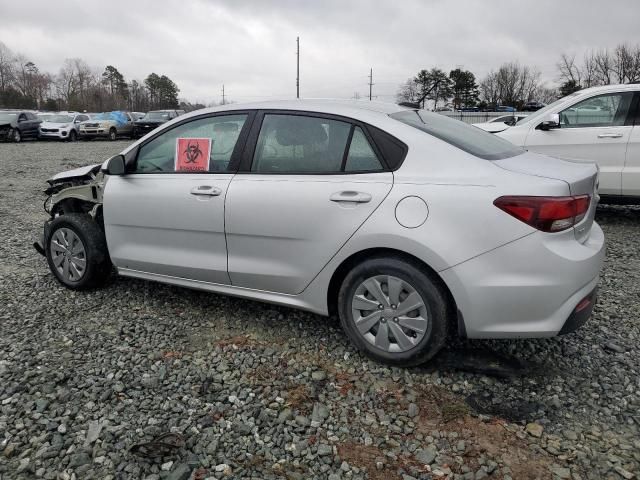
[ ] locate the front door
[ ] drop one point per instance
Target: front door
(596, 129)
(166, 215)
(312, 182)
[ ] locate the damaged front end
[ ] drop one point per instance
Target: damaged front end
(74, 191)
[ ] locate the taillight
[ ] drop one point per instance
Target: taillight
(549, 214)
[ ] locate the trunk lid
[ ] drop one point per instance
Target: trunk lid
(582, 179)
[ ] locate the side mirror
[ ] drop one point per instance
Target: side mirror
(115, 166)
(551, 121)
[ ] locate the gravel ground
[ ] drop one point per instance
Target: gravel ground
(257, 391)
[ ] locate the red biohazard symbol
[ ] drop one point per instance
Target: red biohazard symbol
(192, 154)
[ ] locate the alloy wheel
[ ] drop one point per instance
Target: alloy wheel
(390, 314)
(68, 254)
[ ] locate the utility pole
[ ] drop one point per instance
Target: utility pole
(297, 67)
(370, 83)
(223, 102)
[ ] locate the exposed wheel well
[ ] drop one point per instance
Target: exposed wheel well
(350, 262)
(75, 205)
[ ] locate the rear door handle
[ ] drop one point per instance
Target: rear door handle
(206, 191)
(350, 196)
(610, 135)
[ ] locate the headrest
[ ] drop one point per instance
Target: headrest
(225, 127)
(299, 131)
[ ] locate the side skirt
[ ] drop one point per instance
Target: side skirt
(294, 301)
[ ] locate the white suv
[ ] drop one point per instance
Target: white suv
(62, 126)
(599, 124)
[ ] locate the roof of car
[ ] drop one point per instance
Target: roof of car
(608, 88)
(342, 107)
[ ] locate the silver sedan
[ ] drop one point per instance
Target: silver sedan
(406, 224)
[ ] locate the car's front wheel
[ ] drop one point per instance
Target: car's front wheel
(76, 251)
(113, 134)
(394, 311)
(73, 136)
(17, 136)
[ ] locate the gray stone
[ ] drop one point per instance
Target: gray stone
(426, 455)
(324, 449)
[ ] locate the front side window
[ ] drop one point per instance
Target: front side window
(300, 144)
(205, 144)
(472, 140)
(608, 110)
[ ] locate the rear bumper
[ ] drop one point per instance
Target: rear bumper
(530, 287)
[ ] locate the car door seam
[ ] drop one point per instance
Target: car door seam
(350, 236)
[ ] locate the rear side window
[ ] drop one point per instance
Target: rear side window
(300, 144)
(465, 137)
(361, 157)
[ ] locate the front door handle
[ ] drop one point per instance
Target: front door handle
(350, 196)
(610, 135)
(206, 191)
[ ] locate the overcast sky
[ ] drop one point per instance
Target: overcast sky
(250, 45)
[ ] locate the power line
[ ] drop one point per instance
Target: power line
(297, 67)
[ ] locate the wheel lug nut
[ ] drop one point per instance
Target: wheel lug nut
(395, 319)
(380, 306)
(393, 306)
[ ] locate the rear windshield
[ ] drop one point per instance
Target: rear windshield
(459, 134)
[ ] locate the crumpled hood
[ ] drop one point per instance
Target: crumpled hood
(75, 173)
(5, 124)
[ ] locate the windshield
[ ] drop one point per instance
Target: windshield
(8, 116)
(156, 116)
(459, 134)
(59, 118)
(543, 111)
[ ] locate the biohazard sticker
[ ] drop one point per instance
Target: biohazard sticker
(192, 154)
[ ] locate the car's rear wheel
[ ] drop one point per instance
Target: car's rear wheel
(76, 251)
(17, 136)
(113, 134)
(393, 311)
(73, 136)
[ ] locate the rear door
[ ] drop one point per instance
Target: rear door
(166, 215)
(596, 129)
(631, 172)
(307, 183)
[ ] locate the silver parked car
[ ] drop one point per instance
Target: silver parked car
(408, 225)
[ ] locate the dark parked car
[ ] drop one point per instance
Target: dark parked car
(17, 125)
(152, 120)
(533, 106)
(505, 108)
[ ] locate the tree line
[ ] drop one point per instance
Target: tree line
(77, 86)
(513, 84)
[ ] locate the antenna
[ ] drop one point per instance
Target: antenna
(370, 83)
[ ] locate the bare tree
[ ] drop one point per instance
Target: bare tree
(625, 63)
(408, 91)
(603, 67)
(569, 70)
(6, 67)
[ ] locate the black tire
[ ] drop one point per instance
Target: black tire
(433, 295)
(17, 136)
(73, 136)
(113, 134)
(98, 264)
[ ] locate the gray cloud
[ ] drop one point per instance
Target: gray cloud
(250, 45)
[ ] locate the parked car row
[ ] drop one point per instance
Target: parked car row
(17, 125)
